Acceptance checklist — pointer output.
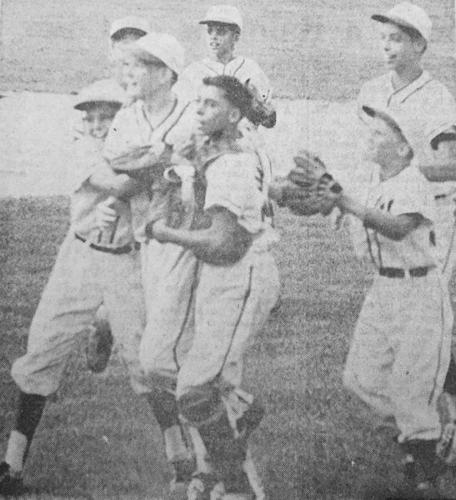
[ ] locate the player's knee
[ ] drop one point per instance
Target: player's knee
(199, 404)
(29, 381)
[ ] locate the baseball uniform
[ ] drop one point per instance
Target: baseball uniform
(428, 109)
(168, 270)
(243, 68)
(400, 350)
(92, 267)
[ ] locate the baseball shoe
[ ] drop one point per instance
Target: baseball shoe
(99, 346)
(250, 420)
(446, 446)
(10, 483)
(204, 486)
(183, 471)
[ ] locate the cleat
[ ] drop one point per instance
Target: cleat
(10, 482)
(205, 487)
(183, 473)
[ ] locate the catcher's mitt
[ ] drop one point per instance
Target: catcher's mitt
(99, 346)
(446, 446)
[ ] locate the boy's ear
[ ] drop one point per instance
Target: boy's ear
(404, 149)
(235, 115)
(236, 36)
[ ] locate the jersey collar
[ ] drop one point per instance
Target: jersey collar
(404, 93)
(218, 67)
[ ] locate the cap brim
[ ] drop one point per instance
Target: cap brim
(381, 18)
(369, 111)
(213, 21)
(83, 106)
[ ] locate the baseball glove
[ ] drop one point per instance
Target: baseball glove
(99, 346)
(446, 446)
(316, 183)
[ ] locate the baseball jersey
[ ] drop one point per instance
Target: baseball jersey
(236, 181)
(132, 129)
(424, 106)
(241, 67)
(85, 199)
(406, 193)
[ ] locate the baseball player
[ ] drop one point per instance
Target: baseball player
(122, 32)
(82, 279)
(237, 286)
(429, 111)
(224, 25)
(400, 349)
(140, 142)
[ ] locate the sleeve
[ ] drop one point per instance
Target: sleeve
(441, 115)
(121, 135)
(231, 184)
(85, 160)
(260, 81)
(412, 195)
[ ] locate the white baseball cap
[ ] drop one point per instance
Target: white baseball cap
(408, 15)
(129, 22)
(108, 91)
(160, 46)
(224, 14)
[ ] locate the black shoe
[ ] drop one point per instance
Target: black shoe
(10, 484)
(250, 420)
(205, 486)
(183, 473)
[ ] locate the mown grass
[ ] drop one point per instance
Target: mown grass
(97, 440)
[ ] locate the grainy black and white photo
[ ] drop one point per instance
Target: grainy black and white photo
(227, 249)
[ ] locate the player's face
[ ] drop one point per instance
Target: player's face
(98, 119)
(383, 143)
(220, 40)
(142, 79)
(400, 51)
(214, 112)
(118, 59)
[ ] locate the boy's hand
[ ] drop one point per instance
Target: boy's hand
(158, 230)
(105, 213)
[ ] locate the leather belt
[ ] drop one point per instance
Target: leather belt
(115, 251)
(395, 272)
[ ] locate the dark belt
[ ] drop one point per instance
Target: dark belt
(116, 251)
(395, 272)
(440, 196)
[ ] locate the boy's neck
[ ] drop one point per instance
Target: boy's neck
(229, 134)
(392, 168)
(224, 58)
(403, 77)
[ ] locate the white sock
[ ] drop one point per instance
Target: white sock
(15, 452)
(202, 459)
(175, 444)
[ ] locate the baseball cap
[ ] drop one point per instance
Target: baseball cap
(408, 15)
(129, 22)
(224, 14)
(393, 120)
(107, 91)
(160, 46)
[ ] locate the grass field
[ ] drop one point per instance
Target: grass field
(98, 441)
(313, 49)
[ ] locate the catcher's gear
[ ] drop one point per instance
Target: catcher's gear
(99, 346)
(446, 446)
(174, 199)
(311, 176)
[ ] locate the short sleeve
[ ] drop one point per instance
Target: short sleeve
(258, 79)
(411, 194)
(441, 112)
(231, 184)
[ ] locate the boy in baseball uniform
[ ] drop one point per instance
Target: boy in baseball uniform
(400, 349)
(93, 267)
(236, 289)
(429, 110)
(224, 25)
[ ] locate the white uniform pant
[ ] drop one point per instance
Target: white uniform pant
(445, 225)
(232, 304)
(400, 351)
(82, 279)
(170, 275)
